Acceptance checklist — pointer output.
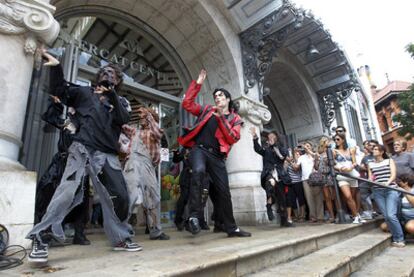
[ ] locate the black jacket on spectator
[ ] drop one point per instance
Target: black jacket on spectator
(271, 161)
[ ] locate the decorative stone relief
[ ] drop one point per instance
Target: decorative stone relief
(31, 17)
(256, 112)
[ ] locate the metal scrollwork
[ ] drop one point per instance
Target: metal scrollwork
(330, 101)
(261, 42)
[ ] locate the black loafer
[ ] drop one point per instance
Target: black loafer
(239, 233)
(269, 211)
(193, 226)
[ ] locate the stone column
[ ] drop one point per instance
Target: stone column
(23, 26)
(244, 166)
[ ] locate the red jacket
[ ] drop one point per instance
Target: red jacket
(228, 131)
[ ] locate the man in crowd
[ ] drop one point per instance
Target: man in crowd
(217, 128)
(365, 188)
(274, 177)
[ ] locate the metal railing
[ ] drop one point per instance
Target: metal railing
(333, 173)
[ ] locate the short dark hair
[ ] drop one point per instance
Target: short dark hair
(339, 126)
(374, 141)
(118, 72)
(407, 178)
(232, 106)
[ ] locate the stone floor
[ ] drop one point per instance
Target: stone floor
(183, 253)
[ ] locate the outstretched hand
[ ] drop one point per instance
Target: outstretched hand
(202, 76)
(51, 61)
(253, 132)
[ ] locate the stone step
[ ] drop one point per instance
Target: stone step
(340, 259)
(393, 262)
(207, 254)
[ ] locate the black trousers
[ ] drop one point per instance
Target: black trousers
(295, 191)
(280, 197)
(203, 161)
(185, 182)
(114, 182)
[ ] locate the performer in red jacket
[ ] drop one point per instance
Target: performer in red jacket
(217, 128)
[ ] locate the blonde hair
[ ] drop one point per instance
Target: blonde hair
(322, 144)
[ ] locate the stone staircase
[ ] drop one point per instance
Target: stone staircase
(305, 250)
(365, 254)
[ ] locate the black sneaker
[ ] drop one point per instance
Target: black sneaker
(193, 226)
(128, 245)
(269, 210)
(239, 233)
(163, 236)
(39, 253)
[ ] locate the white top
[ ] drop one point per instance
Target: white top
(306, 163)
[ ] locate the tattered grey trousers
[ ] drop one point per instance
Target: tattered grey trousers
(69, 194)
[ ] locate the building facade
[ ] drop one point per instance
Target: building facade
(386, 106)
(278, 61)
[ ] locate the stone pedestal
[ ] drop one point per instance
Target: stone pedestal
(244, 167)
(17, 190)
(23, 26)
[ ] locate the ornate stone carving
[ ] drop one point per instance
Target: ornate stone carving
(31, 17)
(256, 112)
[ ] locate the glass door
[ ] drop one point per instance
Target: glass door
(169, 172)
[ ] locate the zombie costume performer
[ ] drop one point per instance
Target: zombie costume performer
(217, 128)
(49, 181)
(274, 177)
(94, 149)
(140, 171)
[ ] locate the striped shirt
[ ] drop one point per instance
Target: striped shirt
(296, 176)
(381, 171)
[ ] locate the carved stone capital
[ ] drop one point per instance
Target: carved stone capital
(33, 18)
(256, 112)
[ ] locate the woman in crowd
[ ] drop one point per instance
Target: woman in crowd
(313, 194)
(295, 189)
(346, 162)
(383, 171)
(406, 182)
(321, 164)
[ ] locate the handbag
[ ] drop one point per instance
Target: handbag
(317, 178)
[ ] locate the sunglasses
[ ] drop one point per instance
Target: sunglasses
(340, 131)
(337, 139)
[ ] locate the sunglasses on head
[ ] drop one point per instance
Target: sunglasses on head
(340, 131)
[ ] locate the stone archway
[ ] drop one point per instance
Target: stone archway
(201, 38)
(294, 101)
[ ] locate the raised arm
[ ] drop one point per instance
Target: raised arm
(189, 103)
(257, 147)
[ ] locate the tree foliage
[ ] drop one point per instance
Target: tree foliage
(406, 103)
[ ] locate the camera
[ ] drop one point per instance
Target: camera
(106, 83)
(301, 149)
